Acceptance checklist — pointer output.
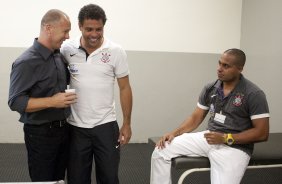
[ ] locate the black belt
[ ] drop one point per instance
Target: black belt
(57, 124)
(52, 124)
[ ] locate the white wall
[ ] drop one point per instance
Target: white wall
(165, 84)
(201, 26)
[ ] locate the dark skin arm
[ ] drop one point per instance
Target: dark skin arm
(190, 124)
(258, 133)
(126, 106)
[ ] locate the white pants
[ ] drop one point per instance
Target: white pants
(228, 164)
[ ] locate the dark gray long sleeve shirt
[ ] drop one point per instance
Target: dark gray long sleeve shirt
(37, 73)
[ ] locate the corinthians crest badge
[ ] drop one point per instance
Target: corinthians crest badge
(238, 99)
(105, 57)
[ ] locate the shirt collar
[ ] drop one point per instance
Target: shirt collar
(105, 44)
(239, 86)
(42, 50)
(218, 83)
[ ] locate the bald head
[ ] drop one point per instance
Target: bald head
(240, 57)
(55, 27)
(53, 16)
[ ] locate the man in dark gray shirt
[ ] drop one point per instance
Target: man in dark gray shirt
(37, 84)
(238, 117)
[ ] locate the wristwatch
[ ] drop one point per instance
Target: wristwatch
(229, 139)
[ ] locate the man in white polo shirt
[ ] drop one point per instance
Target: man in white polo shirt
(94, 63)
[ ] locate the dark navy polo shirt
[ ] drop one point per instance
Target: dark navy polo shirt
(245, 103)
(37, 73)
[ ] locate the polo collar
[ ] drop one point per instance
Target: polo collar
(218, 83)
(105, 45)
(237, 88)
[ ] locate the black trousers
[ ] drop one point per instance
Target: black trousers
(100, 142)
(47, 148)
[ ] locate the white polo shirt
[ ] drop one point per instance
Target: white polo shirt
(93, 77)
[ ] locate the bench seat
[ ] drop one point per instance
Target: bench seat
(265, 153)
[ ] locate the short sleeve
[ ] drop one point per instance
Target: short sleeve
(121, 64)
(258, 106)
(202, 101)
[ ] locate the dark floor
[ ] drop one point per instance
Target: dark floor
(134, 167)
(134, 163)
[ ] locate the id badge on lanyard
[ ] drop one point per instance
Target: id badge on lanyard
(219, 117)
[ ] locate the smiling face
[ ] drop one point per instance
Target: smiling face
(92, 34)
(59, 32)
(54, 29)
(228, 69)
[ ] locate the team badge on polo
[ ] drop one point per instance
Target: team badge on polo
(238, 99)
(105, 57)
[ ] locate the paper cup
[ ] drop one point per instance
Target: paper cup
(70, 90)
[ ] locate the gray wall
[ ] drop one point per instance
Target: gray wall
(165, 88)
(261, 38)
(10, 129)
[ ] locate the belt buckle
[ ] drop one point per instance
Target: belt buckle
(59, 123)
(62, 122)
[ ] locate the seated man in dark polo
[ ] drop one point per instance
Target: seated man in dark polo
(238, 118)
(37, 84)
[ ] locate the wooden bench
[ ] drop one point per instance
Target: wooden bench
(266, 155)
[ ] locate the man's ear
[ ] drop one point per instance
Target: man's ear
(48, 28)
(80, 26)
